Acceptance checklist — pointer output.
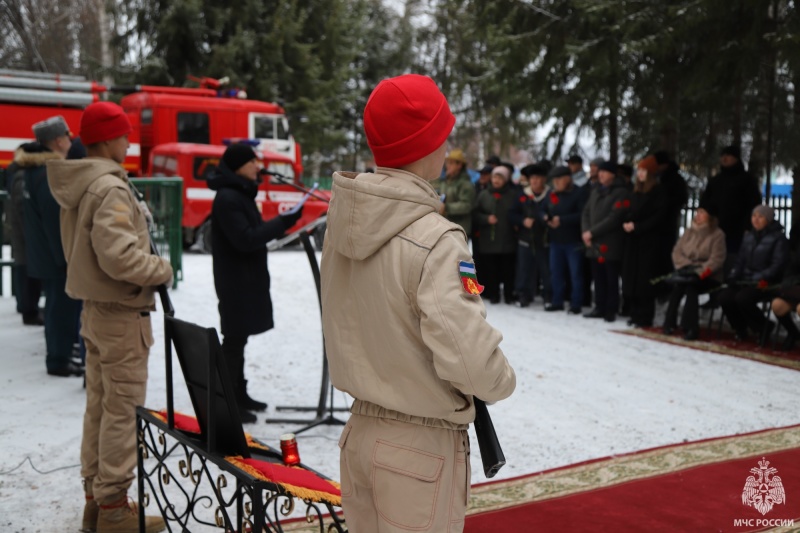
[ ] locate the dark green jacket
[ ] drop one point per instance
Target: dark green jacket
(499, 238)
(603, 216)
(459, 200)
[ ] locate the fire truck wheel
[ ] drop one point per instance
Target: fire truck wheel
(204, 237)
(319, 236)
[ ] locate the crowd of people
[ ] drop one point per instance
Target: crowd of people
(609, 243)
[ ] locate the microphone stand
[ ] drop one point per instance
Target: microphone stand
(286, 181)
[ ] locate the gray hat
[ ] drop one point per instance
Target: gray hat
(597, 161)
(765, 211)
(558, 172)
(50, 129)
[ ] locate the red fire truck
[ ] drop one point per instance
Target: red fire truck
(176, 126)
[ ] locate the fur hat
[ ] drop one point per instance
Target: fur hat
(238, 155)
(533, 170)
(405, 119)
(51, 128)
(103, 121)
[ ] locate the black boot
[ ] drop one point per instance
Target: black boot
(792, 333)
(246, 402)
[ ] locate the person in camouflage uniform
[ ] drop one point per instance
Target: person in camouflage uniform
(458, 191)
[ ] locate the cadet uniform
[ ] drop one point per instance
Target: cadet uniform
(405, 328)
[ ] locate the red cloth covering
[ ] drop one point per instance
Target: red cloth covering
(295, 480)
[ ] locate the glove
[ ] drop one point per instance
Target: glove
(148, 215)
(290, 219)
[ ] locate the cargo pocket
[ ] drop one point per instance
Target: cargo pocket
(130, 384)
(147, 331)
(405, 484)
(345, 486)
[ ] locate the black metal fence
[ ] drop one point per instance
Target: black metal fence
(781, 204)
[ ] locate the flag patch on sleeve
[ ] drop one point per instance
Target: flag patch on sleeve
(469, 278)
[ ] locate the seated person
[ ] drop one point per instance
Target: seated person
(760, 263)
(788, 300)
(698, 256)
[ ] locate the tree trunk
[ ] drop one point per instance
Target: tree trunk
(106, 63)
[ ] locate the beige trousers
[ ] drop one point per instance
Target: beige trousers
(399, 476)
(118, 343)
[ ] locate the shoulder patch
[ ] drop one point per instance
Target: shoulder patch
(469, 278)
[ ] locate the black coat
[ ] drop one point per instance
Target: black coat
(763, 256)
(238, 239)
(603, 215)
(642, 261)
(732, 194)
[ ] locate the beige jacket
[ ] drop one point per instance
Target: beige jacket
(104, 234)
(401, 332)
(702, 246)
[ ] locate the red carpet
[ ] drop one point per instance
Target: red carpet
(724, 344)
(695, 487)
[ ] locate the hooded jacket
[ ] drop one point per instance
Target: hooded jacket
(104, 233)
(401, 331)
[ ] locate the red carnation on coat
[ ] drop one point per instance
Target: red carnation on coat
(762, 284)
(522, 199)
(603, 248)
(626, 203)
(554, 199)
(601, 259)
(617, 205)
(497, 195)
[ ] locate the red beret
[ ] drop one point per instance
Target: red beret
(103, 121)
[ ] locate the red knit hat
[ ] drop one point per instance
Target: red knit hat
(405, 119)
(649, 163)
(103, 121)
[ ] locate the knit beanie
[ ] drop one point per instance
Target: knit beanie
(732, 150)
(765, 211)
(405, 119)
(103, 121)
(649, 163)
(238, 155)
(608, 166)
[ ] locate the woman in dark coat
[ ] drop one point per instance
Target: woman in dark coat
(497, 239)
(238, 237)
(642, 228)
(760, 264)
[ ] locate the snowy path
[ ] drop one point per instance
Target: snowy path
(583, 392)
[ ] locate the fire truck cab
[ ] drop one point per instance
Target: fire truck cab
(177, 131)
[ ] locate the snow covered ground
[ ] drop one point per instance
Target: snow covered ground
(583, 392)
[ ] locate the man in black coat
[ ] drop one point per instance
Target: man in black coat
(733, 193)
(238, 237)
